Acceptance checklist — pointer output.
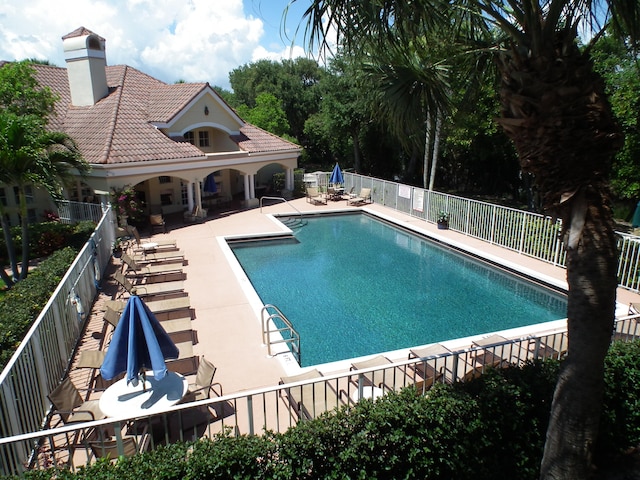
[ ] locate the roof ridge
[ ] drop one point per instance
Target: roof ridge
(114, 116)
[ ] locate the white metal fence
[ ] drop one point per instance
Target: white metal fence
(43, 357)
(524, 232)
(279, 407)
(72, 212)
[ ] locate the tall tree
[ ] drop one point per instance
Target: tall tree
(293, 82)
(29, 154)
(555, 110)
(619, 65)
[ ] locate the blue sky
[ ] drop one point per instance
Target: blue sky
(191, 40)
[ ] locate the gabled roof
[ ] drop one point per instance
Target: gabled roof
(119, 128)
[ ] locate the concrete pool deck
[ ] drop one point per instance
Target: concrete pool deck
(227, 324)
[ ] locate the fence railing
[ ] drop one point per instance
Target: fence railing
(279, 407)
(527, 233)
(72, 212)
(42, 359)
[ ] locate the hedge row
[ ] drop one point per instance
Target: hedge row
(24, 302)
(48, 237)
(492, 427)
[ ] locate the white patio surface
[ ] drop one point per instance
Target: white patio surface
(228, 327)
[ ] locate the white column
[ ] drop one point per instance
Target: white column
(246, 188)
(252, 186)
(190, 196)
(289, 179)
(198, 194)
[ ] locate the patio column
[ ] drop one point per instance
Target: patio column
(190, 196)
(247, 189)
(198, 194)
(289, 179)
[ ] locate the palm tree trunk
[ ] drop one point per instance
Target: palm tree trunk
(357, 152)
(577, 402)
(427, 151)
(24, 222)
(556, 112)
(436, 150)
(11, 251)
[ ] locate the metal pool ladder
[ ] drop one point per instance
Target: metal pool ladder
(291, 222)
(287, 334)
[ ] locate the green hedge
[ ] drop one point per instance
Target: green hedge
(24, 302)
(492, 427)
(48, 237)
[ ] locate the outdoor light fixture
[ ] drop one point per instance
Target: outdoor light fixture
(206, 110)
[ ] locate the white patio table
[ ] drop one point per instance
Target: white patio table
(121, 399)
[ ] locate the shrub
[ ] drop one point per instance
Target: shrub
(47, 237)
(620, 424)
(24, 302)
(491, 427)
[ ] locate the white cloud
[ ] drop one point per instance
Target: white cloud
(193, 40)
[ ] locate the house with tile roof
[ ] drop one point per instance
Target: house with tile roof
(178, 145)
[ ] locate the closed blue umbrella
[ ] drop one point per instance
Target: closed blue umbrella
(336, 176)
(139, 343)
(210, 184)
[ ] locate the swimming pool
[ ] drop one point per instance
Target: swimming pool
(354, 285)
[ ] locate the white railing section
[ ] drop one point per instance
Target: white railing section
(43, 357)
(72, 212)
(527, 233)
(277, 408)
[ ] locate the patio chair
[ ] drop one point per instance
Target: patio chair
(69, 406)
(313, 399)
(157, 223)
(90, 359)
(431, 369)
(554, 345)
(314, 196)
(203, 385)
(174, 307)
(497, 351)
(363, 197)
(196, 215)
(388, 378)
(131, 445)
(146, 290)
(148, 245)
(144, 258)
(149, 269)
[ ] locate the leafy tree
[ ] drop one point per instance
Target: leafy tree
(29, 154)
(345, 111)
(20, 92)
(555, 110)
(620, 67)
(267, 114)
(294, 82)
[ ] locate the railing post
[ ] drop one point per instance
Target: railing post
(250, 413)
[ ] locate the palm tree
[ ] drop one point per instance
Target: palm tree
(555, 110)
(29, 155)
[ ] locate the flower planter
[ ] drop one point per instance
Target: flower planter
(443, 225)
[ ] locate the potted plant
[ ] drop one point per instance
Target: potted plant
(443, 220)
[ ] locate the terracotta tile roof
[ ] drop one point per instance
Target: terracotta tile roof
(81, 32)
(119, 129)
(166, 101)
(255, 139)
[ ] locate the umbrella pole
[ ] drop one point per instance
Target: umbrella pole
(144, 380)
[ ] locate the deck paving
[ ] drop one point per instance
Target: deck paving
(227, 325)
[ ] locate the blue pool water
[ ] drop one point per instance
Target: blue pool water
(353, 285)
